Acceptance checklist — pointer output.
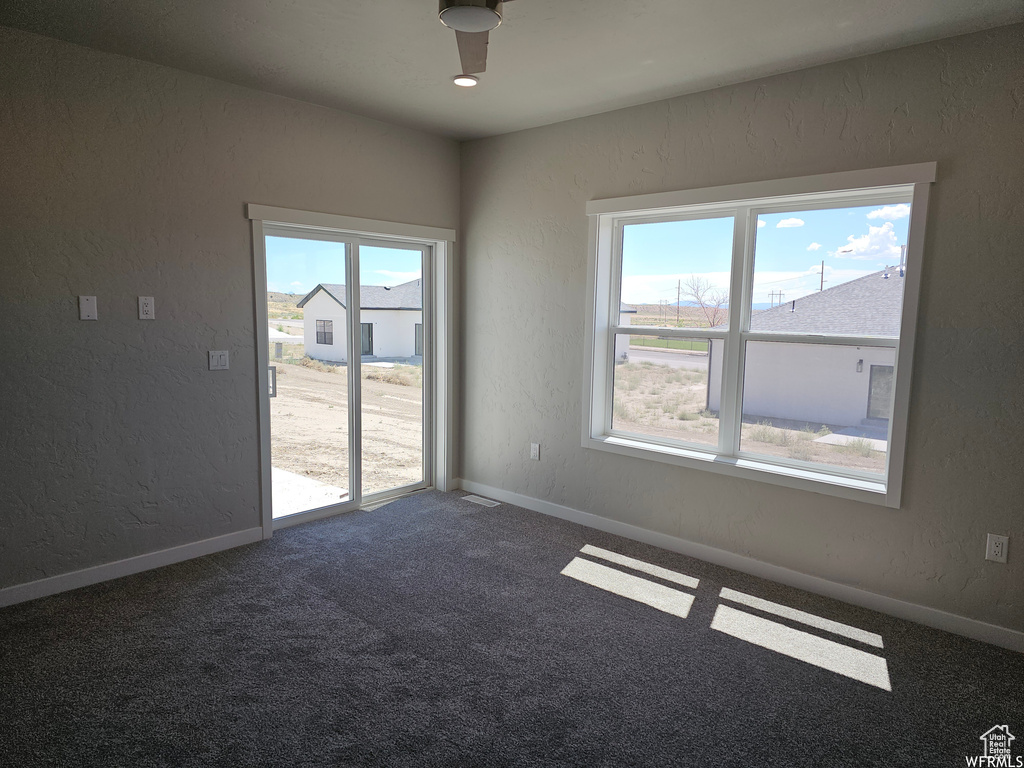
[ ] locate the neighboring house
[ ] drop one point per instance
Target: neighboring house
(834, 385)
(626, 313)
(392, 321)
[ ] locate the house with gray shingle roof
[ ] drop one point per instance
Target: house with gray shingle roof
(391, 319)
(829, 384)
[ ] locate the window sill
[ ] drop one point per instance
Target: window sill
(869, 491)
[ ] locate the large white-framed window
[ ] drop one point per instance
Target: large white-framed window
(763, 330)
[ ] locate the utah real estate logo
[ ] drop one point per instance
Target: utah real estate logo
(997, 752)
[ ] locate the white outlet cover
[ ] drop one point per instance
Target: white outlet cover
(147, 308)
(996, 546)
(87, 308)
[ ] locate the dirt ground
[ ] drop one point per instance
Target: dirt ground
(309, 428)
(657, 400)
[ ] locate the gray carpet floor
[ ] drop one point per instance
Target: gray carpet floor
(435, 632)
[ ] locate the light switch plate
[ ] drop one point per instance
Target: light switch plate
(87, 308)
(147, 308)
(218, 360)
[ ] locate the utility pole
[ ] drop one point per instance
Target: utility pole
(822, 288)
(679, 293)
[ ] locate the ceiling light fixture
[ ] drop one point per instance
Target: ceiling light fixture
(470, 18)
(466, 81)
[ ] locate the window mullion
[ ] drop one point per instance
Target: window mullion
(739, 317)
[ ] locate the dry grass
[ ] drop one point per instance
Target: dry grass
(652, 314)
(660, 401)
(858, 447)
(281, 306)
(403, 375)
(318, 365)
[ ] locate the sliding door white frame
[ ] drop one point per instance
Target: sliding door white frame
(437, 246)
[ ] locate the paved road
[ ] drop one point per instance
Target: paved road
(671, 359)
(287, 323)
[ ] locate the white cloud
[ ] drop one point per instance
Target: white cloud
(890, 212)
(787, 223)
(813, 246)
(878, 243)
(761, 223)
(296, 283)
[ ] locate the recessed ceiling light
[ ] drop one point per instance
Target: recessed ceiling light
(466, 81)
(469, 18)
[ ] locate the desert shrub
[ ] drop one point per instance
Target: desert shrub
(621, 412)
(687, 416)
(801, 451)
(859, 447)
(402, 375)
(761, 432)
(317, 365)
(764, 432)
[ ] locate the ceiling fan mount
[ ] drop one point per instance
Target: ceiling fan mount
(472, 20)
(463, 17)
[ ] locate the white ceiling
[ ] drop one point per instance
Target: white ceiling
(549, 61)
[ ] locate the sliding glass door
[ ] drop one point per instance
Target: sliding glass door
(348, 356)
(391, 308)
(307, 321)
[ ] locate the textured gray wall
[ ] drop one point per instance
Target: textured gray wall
(959, 102)
(120, 178)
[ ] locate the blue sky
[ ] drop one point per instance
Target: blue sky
(297, 266)
(789, 250)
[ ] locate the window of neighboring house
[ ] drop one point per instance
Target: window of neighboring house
(763, 330)
(418, 339)
(366, 337)
(880, 392)
(325, 332)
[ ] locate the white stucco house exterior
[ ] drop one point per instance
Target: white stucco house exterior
(392, 322)
(817, 383)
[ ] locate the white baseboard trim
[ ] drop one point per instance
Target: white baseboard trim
(931, 617)
(21, 593)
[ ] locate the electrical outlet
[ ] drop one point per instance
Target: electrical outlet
(996, 546)
(535, 451)
(147, 308)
